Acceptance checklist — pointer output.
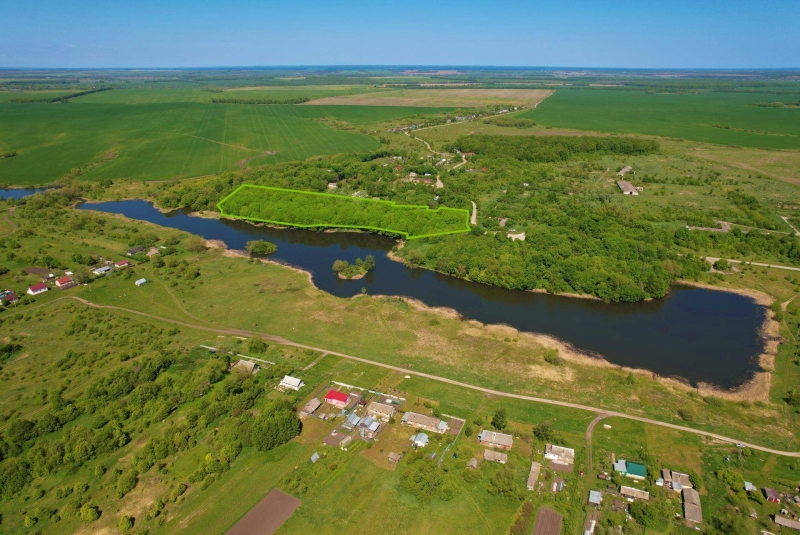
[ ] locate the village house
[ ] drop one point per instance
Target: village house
(368, 427)
(291, 383)
(336, 398)
(786, 522)
(246, 366)
(691, 506)
(677, 481)
(495, 440)
(381, 411)
(559, 454)
(310, 407)
(135, 250)
(9, 298)
(630, 469)
(122, 264)
(420, 440)
(625, 170)
(153, 252)
(102, 270)
(351, 421)
(627, 188)
(635, 494)
(65, 282)
(533, 475)
(491, 455)
(420, 421)
(37, 289)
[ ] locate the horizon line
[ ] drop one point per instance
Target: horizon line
(402, 65)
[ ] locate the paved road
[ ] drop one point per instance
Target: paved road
(498, 393)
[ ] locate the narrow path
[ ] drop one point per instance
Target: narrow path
(759, 264)
(316, 361)
(473, 219)
(279, 340)
(13, 225)
(786, 220)
(463, 161)
(589, 431)
(786, 304)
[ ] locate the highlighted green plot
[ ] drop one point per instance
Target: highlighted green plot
(305, 209)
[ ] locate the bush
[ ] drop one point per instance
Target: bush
(499, 419)
(125, 523)
(256, 345)
(195, 244)
(89, 512)
(687, 414)
(551, 357)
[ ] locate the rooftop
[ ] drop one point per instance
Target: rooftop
(496, 438)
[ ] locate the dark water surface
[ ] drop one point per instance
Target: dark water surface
(697, 334)
(18, 193)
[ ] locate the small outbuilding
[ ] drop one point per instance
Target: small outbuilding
(246, 366)
(420, 440)
(9, 298)
(65, 282)
(691, 506)
(786, 522)
(627, 188)
(533, 475)
(122, 264)
(636, 494)
(595, 497)
(141, 282)
(473, 463)
(395, 457)
(559, 454)
(315, 457)
(135, 250)
(771, 495)
(496, 456)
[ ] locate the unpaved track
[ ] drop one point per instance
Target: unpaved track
(473, 218)
(786, 219)
(405, 371)
(759, 264)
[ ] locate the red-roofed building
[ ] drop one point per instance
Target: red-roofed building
(122, 264)
(37, 289)
(336, 398)
(65, 282)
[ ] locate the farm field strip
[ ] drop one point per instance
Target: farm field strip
(306, 209)
(441, 97)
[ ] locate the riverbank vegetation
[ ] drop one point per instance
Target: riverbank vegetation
(315, 210)
(261, 248)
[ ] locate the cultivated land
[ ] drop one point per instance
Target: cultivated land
(461, 98)
(710, 117)
(314, 210)
(107, 390)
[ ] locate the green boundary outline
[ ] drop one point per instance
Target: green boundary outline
(352, 199)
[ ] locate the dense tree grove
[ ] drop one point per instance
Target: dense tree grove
(63, 98)
(302, 209)
(551, 148)
(296, 100)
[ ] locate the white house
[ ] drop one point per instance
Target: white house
(141, 282)
(292, 383)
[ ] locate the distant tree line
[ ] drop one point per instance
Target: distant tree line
(63, 98)
(551, 148)
(296, 100)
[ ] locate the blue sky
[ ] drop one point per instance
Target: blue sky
(571, 33)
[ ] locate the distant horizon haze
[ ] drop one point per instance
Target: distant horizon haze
(684, 34)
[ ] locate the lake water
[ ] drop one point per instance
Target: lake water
(18, 193)
(697, 334)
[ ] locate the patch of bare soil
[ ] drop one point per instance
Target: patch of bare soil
(268, 516)
(440, 97)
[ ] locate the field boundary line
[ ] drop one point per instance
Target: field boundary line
(350, 199)
(280, 340)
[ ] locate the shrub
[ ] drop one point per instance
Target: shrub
(687, 414)
(125, 523)
(195, 244)
(89, 512)
(499, 419)
(551, 357)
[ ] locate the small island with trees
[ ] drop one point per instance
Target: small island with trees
(261, 248)
(354, 271)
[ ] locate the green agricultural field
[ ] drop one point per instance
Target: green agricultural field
(690, 116)
(309, 210)
(161, 141)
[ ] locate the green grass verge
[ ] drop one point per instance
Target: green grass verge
(305, 209)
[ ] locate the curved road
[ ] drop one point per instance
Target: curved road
(602, 413)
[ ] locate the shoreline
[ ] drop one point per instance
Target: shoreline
(755, 388)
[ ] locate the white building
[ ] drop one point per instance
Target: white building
(292, 383)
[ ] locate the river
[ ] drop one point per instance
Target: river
(697, 334)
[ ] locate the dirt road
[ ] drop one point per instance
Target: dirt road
(405, 371)
(759, 264)
(473, 218)
(786, 219)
